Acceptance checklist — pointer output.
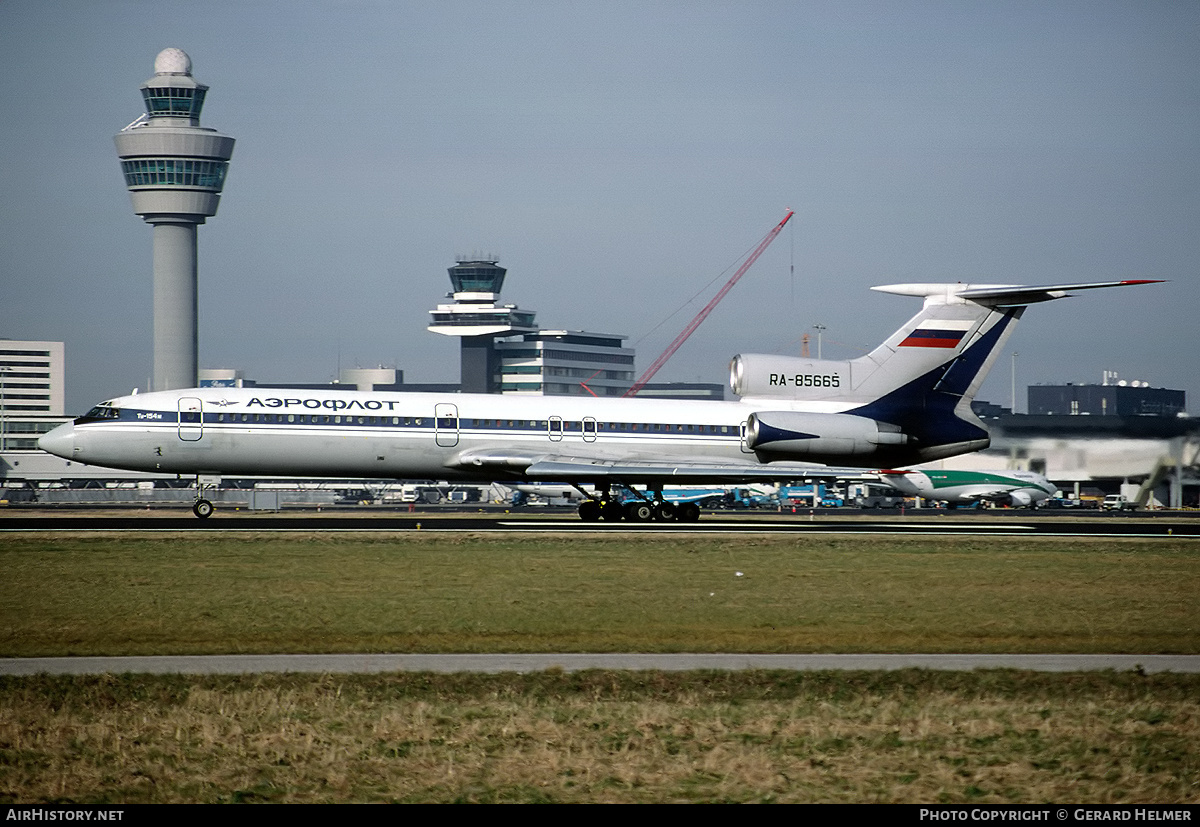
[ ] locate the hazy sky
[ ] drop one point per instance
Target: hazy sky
(618, 158)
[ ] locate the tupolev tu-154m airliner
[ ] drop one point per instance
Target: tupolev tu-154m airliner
(908, 401)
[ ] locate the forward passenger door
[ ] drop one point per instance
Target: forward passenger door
(191, 419)
(445, 424)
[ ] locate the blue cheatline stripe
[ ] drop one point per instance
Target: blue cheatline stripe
(167, 420)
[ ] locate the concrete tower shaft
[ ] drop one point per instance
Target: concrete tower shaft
(175, 170)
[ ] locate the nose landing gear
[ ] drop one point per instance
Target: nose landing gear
(203, 507)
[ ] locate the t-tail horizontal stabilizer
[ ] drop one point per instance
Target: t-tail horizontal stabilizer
(1003, 295)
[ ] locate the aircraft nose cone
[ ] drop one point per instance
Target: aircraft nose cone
(60, 441)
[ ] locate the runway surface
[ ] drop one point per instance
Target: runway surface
(982, 523)
(491, 664)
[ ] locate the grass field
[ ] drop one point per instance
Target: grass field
(358, 592)
(912, 736)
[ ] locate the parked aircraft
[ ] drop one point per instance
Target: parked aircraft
(906, 402)
(1020, 489)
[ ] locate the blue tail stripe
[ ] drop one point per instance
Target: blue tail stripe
(924, 407)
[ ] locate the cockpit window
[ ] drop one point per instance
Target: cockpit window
(103, 411)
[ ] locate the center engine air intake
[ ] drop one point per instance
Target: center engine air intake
(789, 377)
(816, 436)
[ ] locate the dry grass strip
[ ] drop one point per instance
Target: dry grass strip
(603, 736)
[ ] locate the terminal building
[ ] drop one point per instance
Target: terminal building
(1117, 399)
(566, 363)
(31, 392)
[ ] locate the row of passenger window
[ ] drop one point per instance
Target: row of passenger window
(555, 425)
(323, 419)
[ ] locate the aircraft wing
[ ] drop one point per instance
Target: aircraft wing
(994, 495)
(630, 470)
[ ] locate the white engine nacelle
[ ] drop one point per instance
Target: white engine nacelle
(1020, 499)
(788, 377)
(817, 436)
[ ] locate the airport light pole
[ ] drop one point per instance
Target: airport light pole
(1014, 381)
(820, 328)
(3, 409)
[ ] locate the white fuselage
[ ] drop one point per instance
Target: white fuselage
(391, 435)
(908, 401)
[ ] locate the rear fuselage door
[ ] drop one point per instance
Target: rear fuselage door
(445, 424)
(191, 418)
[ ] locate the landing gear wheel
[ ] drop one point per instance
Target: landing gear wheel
(688, 513)
(665, 512)
(611, 511)
(589, 511)
(202, 509)
(638, 511)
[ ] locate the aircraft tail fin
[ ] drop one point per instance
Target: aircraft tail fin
(925, 375)
(957, 335)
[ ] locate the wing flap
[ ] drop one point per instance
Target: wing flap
(677, 472)
(563, 468)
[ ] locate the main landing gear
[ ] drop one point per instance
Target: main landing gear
(641, 510)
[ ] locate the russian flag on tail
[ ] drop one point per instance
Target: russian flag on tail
(946, 333)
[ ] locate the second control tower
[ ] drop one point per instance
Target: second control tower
(478, 319)
(175, 170)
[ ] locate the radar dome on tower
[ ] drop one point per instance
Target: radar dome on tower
(172, 62)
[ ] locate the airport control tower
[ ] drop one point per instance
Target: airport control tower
(476, 317)
(174, 169)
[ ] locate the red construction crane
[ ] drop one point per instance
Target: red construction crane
(708, 308)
